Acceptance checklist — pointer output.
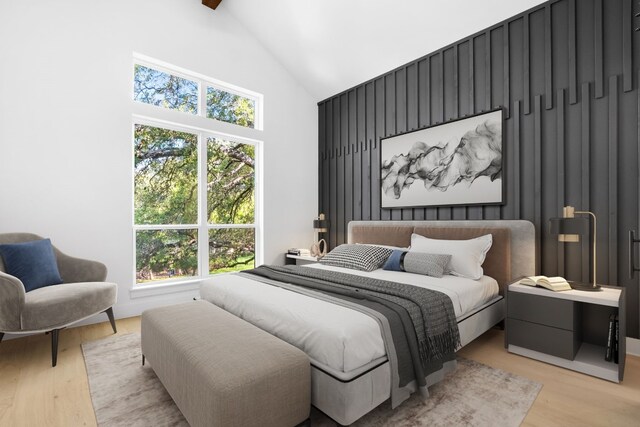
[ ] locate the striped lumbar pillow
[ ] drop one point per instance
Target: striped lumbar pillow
(428, 264)
(418, 262)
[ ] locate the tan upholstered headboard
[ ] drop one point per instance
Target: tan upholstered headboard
(511, 255)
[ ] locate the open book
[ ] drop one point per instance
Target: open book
(552, 283)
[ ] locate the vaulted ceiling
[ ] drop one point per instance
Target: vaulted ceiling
(332, 45)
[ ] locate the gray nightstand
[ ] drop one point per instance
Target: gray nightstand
(567, 328)
(299, 260)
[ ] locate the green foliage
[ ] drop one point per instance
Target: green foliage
(166, 176)
(239, 264)
(162, 254)
(164, 90)
(231, 108)
(231, 249)
(230, 182)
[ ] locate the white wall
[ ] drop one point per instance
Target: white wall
(332, 45)
(65, 123)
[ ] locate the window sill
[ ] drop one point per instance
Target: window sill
(142, 291)
(170, 287)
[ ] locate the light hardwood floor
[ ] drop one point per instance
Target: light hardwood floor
(34, 394)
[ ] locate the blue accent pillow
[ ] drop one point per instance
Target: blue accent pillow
(34, 263)
(394, 262)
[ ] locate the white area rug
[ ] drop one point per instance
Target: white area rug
(125, 393)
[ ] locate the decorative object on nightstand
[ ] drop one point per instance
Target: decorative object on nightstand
(611, 338)
(555, 284)
(320, 225)
(299, 252)
(568, 228)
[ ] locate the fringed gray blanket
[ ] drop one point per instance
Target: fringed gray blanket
(423, 329)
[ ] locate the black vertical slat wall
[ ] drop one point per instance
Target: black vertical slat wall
(566, 74)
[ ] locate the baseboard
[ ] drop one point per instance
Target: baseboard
(633, 346)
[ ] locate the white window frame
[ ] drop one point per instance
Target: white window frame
(203, 129)
(203, 83)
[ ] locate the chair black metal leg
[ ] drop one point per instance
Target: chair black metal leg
(1, 336)
(54, 347)
(109, 312)
(143, 359)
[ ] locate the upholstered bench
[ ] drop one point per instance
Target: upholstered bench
(222, 371)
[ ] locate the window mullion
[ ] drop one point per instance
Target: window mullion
(257, 194)
(203, 231)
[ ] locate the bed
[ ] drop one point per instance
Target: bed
(351, 368)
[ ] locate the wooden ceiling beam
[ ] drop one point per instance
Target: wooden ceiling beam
(211, 3)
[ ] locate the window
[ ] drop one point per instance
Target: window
(165, 195)
(165, 90)
(231, 108)
(173, 90)
(231, 205)
(195, 210)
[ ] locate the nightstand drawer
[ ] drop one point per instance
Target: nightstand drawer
(548, 311)
(545, 339)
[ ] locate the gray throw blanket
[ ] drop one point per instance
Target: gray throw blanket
(431, 312)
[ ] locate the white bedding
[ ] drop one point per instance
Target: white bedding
(466, 294)
(333, 336)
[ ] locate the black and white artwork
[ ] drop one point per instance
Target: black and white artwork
(455, 163)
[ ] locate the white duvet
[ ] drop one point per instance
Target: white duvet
(337, 337)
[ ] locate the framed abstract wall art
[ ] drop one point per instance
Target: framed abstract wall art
(453, 163)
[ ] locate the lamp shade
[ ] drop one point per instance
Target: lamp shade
(321, 225)
(568, 226)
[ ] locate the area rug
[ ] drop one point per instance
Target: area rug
(125, 393)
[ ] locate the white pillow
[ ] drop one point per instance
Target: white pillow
(467, 256)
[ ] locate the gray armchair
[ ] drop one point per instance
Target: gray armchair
(82, 294)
